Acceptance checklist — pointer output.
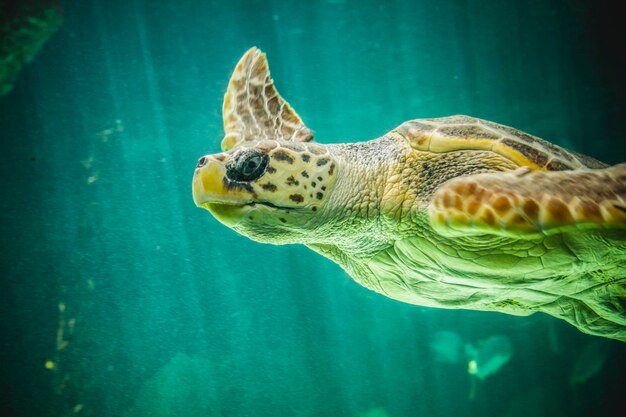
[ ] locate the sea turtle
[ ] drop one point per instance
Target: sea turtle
(452, 212)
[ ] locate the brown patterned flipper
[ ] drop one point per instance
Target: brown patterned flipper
(527, 203)
(253, 110)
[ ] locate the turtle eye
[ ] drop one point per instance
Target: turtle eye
(248, 166)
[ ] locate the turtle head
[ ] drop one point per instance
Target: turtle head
(272, 180)
(271, 191)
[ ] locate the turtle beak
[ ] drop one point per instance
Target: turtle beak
(209, 185)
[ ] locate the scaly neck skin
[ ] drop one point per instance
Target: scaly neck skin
(357, 221)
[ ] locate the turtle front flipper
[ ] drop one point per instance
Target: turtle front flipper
(253, 110)
(526, 203)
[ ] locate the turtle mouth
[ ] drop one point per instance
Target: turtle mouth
(222, 205)
(268, 204)
(232, 214)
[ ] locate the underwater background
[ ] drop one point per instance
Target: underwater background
(118, 297)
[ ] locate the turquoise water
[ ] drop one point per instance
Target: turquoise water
(120, 298)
